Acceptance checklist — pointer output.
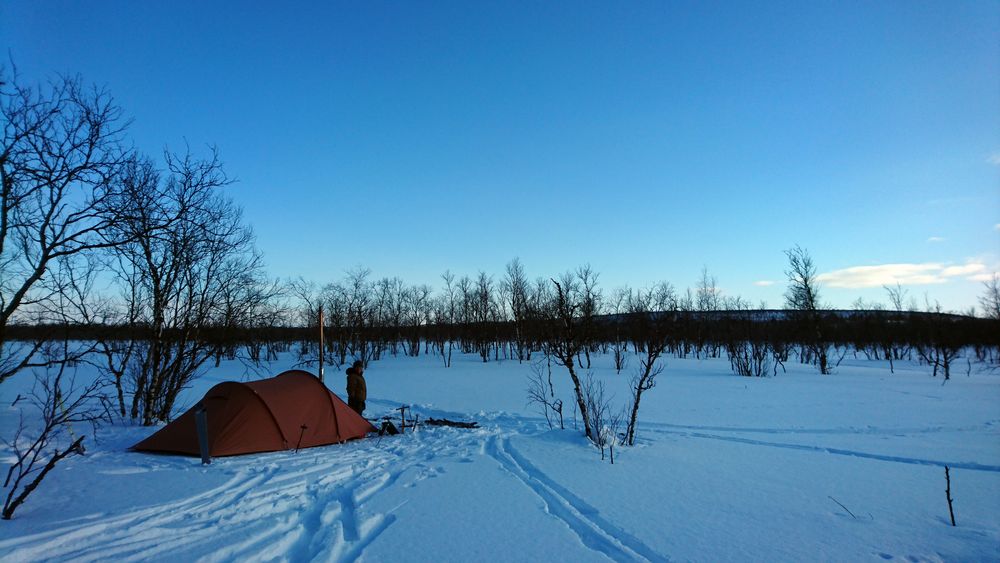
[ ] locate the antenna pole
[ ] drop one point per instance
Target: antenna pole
(321, 343)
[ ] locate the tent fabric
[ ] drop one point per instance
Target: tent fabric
(291, 410)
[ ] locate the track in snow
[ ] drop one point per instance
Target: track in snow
(313, 509)
(971, 465)
(865, 430)
(584, 520)
(316, 505)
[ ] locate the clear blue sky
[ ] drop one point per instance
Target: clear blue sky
(648, 139)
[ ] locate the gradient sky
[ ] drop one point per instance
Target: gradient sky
(647, 139)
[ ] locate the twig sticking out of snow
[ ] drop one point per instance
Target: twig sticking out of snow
(844, 507)
(947, 494)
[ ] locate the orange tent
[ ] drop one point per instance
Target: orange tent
(289, 411)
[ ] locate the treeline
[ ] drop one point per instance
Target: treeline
(512, 319)
(877, 335)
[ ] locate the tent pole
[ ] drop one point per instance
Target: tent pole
(321, 343)
(201, 422)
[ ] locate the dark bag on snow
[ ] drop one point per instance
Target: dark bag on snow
(388, 428)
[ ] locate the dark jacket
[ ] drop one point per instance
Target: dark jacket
(357, 391)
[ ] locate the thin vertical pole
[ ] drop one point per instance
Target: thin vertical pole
(201, 425)
(321, 343)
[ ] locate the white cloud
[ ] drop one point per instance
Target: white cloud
(763, 283)
(994, 159)
(905, 274)
(996, 227)
(966, 270)
(982, 277)
(936, 239)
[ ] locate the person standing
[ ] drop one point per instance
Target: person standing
(357, 391)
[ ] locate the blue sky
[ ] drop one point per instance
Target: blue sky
(647, 139)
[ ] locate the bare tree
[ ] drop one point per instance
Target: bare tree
(708, 295)
(483, 310)
(308, 300)
(541, 392)
(359, 299)
(895, 349)
(388, 304)
(268, 312)
(449, 309)
(591, 302)
(750, 351)
(897, 296)
(990, 300)
(539, 312)
(418, 304)
(60, 404)
(707, 298)
(72, 302)
(802, 295)
(60, 158)
(651, 328)
(663, 297)
(516, 289)
(60, 155)
(620, 299)
(566, 340)
(937, 347)
(192, 265)
(334, 299)
(605, 420)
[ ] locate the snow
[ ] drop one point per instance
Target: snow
(726, 469)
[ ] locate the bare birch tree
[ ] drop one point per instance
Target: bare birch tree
(192, 265)
(60, 156)
(990, 300)
(802, 296)
(566, 340)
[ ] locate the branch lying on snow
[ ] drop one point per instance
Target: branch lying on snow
(446, 422)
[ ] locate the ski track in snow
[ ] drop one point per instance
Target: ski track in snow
(314, 505)
(971, 465)
(71, 541)
(865, 430)
(582, 519)
(307, 507)
(702, 432)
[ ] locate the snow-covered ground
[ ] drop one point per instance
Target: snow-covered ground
(727, 469)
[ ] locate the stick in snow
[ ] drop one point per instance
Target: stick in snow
(947, 493)
(844, 507)
(402, 416)
(301, 433)
(201, 426)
